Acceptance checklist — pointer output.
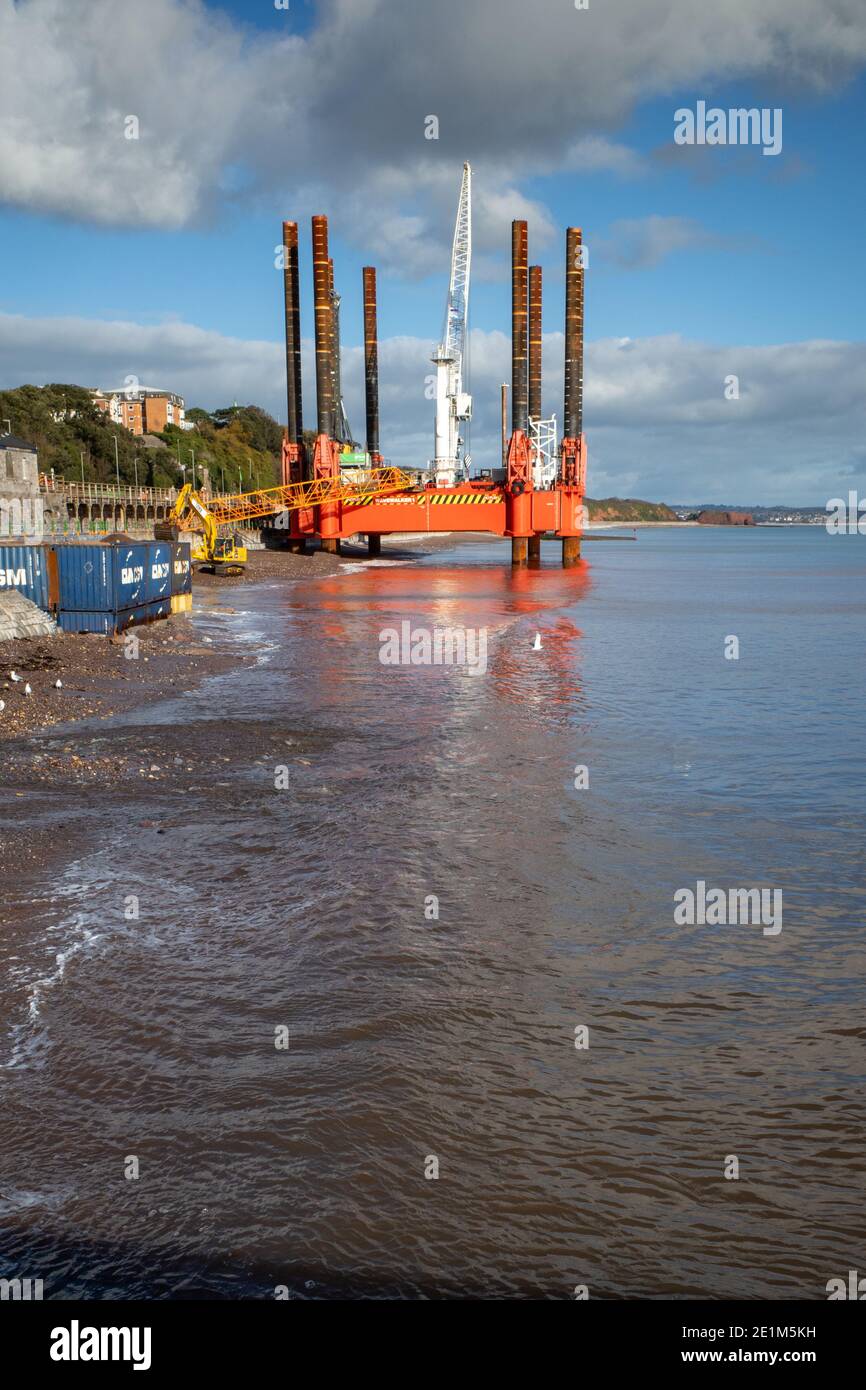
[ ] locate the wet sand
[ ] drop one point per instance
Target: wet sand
(97, 678)
(99, 682)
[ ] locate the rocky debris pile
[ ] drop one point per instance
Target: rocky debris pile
(20, 617)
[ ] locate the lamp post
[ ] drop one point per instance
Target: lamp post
(192, 451)
(116, 464)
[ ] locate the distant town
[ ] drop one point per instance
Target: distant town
(762, 516)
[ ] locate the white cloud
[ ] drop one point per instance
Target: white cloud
(208, 367)
(658, 422)
(71, 74)
(639, 243)
(595, 153)
(370, 214)
(228, 115)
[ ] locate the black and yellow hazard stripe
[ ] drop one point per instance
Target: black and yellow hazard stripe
(444, 497)
(422, 498)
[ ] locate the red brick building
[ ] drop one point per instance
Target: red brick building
(143, 409)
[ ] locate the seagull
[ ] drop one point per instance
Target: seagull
(2, 706)
(27, 690)
(13, 675)
(58, 685)
(536, 646)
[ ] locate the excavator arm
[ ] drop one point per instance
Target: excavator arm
(189, 500)
(223, 553)
(219, 552)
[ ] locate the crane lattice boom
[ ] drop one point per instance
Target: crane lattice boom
(249, 506)
(453, 404)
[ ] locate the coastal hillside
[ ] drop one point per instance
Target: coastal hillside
(239, 444)
(628, 509)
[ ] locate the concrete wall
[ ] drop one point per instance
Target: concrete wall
(21, 509)
(19, 473)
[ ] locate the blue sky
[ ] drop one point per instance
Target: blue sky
(698, 256)
(755, 287)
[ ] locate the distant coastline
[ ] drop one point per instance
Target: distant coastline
(636, 511)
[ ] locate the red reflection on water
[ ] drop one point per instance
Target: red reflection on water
(549, 676)
(510, 604)
(424, 589)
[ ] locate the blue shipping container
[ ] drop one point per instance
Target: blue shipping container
(181, 568)
(102, 620)
(102, 578)
(159, 564)
(159, 608)
(25, 568)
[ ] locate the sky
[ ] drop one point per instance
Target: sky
(154, 257)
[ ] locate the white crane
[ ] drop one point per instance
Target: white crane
(452, 402)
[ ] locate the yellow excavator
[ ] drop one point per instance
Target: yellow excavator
(228, 554)
(222, 554)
